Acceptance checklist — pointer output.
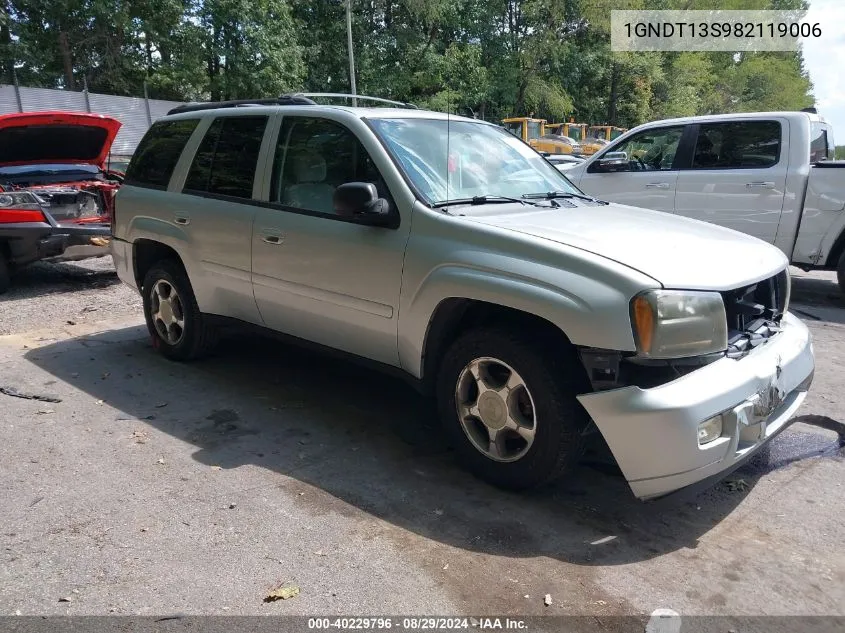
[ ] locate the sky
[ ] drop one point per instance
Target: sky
(824, 59)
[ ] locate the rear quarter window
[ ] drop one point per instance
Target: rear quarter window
(158, 152)
(821, 143)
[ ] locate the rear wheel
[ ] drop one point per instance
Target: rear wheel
(177, 327)
(5, 273)
(510, 410)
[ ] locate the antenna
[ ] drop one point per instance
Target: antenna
(448, 138)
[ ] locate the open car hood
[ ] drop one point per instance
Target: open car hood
(56, 137)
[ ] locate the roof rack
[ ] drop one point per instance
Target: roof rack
(297, 98)
(213, 105)
(353, 98)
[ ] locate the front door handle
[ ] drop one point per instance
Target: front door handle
(272, 239)
(657, 185)
(760, 185)
(181, 219)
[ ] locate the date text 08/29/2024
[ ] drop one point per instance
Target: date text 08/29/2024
(417, 623)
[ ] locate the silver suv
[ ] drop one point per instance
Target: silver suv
(450, 251)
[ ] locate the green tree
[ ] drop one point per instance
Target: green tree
(491, 58)
(251, 48)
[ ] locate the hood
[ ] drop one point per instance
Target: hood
(675, 251)
(56, 137)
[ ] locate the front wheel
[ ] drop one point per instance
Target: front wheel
(510, 410)
(177, 327)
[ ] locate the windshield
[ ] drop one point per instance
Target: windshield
(575, 133)
(614, 134)
(533, 129)
(483, 160)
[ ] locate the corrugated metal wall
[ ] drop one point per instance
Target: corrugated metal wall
(135, 113)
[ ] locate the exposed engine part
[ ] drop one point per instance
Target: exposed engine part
(67, 203)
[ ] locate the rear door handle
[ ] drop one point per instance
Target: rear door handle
(760, 185)
(657, 185)
(181, 219)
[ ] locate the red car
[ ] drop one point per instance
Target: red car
(56, 191)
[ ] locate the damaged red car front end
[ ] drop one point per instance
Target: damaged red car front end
(60, 158)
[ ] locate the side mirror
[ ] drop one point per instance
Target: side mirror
(359, 200)
(612, 161)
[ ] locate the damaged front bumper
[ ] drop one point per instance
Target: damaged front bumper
(81, 242)
(653, 433)
(49, 241)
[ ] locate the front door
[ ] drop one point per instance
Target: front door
(648, 176)
(316, 274)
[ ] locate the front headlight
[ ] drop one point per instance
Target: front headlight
(679, 323)
(12, 199)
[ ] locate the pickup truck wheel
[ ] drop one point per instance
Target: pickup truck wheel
(840, 272)
(177, 327)
(509, 408)
(5, 274)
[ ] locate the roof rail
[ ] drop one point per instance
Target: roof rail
(342, 95)
(213, 105)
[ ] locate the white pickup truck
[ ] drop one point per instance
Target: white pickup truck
(767, 174)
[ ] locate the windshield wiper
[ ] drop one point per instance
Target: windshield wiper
(476, 200)
(551, 195)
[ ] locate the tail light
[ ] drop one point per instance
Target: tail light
(18, 207)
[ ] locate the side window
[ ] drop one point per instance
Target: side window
(158, 152)
(226, 159)
(652, 150)
(737, 145)
(313, 157)
(199, 175)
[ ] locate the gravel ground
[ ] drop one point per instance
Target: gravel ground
(45, 295)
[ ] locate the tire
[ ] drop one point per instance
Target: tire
(551, 381)
(195, 338)
(5, 273)
(840, 272)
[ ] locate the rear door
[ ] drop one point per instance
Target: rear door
(736, 176)
(217, 212)
(647, 178)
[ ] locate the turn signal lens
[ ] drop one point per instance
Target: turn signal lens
(643, 323)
